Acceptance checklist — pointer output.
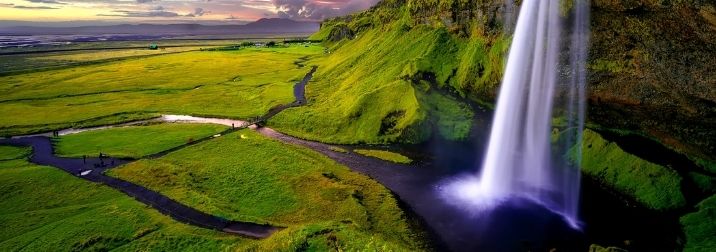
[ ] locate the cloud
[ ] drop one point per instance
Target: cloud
(144, 1)
(45, 1)
(231, 17)
(34, 7)
(198, 12)
(319, 9)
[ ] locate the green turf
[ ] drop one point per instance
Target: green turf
(655, 186)
(385, 155)
(45, 209)
(236, 84)
(245, 176)
(700, 227)
(10, 153)
(134, 141)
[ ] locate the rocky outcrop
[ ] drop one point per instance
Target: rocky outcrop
(653, 69)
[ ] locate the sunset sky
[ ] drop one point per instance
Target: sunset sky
(174, 11)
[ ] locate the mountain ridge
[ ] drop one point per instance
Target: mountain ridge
(261, 26)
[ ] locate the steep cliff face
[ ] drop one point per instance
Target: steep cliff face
(653, 69)
(652, 62)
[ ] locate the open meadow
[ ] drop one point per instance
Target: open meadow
(239, 83)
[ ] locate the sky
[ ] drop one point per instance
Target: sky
(175, 11)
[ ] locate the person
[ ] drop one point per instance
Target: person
(84, 159)
(232, 126)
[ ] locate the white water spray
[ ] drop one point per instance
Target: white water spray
(521, 161)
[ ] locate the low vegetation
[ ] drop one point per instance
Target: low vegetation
(655, 186)
(133, 142)
(45, 209)
(385, 155)
(11, 153)
(700, 227)
(237, 84)
(245, 176)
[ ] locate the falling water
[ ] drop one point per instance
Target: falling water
(521, 160)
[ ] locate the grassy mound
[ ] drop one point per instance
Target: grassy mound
(133, 142)
(45, 209)
(385, 155)
(700, 227)
(245, 176)
(238, 84)
(655, 186)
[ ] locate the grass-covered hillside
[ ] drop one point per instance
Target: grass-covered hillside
(651, 65)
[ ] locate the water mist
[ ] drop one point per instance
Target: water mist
(546, 59)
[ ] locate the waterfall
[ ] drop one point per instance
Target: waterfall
(521, 161)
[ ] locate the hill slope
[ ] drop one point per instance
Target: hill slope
(651, 70)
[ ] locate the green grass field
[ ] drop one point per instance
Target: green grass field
(253, 178)
(133, 142)
(700, 227)
(385, 155)
(655, 186)
(236, 84)
(45, 209)
(19, 63)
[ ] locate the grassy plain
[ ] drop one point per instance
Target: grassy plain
(245, 176)
(385, 155)
(134, 141)
(45, 209)
(655, 186)
(33, 62)
(235, 84)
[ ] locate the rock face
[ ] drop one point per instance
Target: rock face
(653, 69)
(652, 63)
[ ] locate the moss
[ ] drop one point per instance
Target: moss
(385, 155)
(700, 227)
(705, 183)
(655, 186)
(338, 149)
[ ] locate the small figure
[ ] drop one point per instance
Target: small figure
(84, 159)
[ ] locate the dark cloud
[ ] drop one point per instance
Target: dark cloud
(45, 1)
(319, 9)
(34, 7)
(231, 17)
(144, 1)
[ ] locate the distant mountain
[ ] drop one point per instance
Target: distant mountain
(262, 26)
